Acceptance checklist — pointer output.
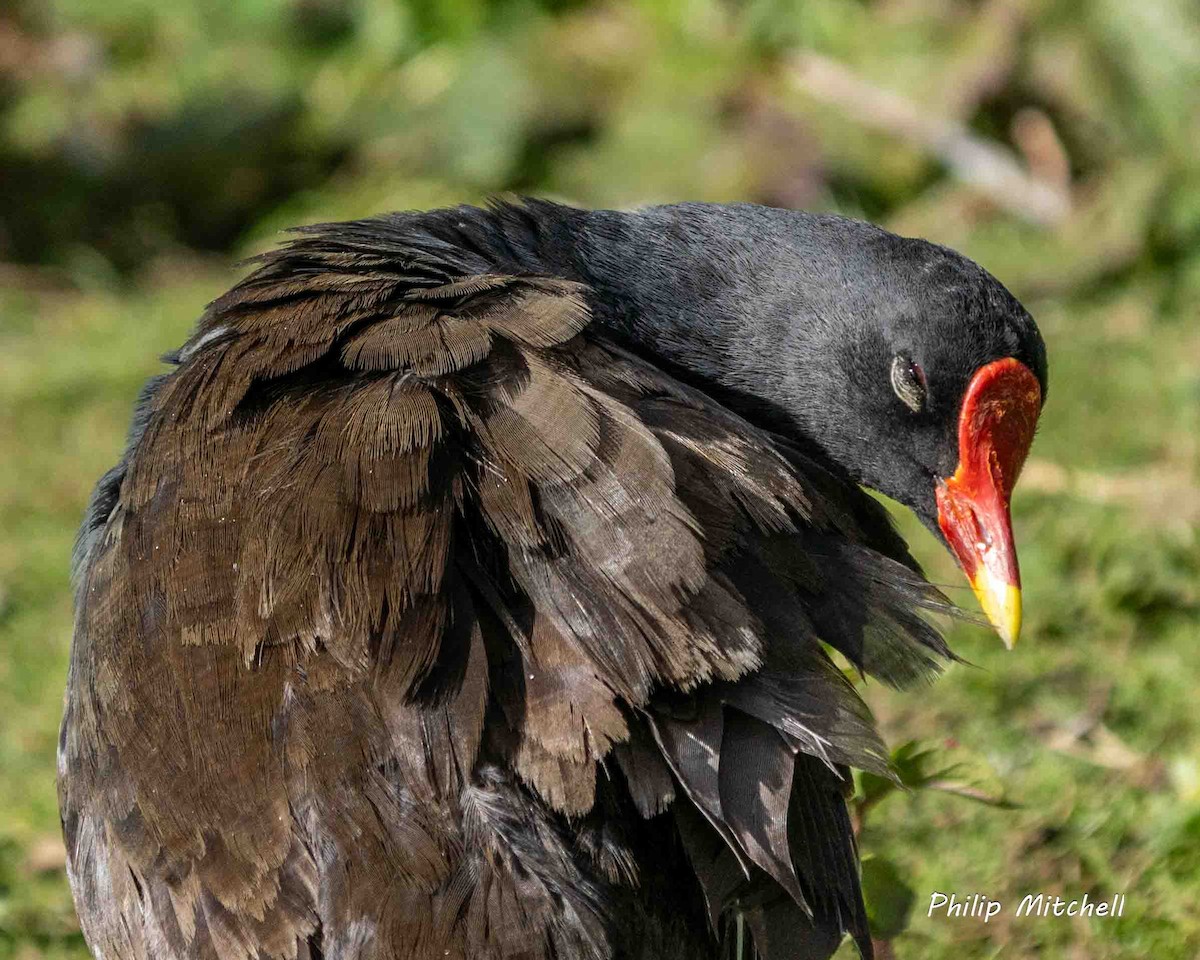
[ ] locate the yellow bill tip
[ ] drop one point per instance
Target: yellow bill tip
(1001, 603)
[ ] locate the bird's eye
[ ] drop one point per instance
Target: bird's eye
(908, 381)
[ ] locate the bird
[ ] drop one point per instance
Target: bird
(495, 582)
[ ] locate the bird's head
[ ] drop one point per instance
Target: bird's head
(906, 363)
(934, 384)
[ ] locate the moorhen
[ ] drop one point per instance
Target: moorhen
(474, 584)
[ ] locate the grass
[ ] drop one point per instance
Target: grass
(70, 366)
(1090, 723)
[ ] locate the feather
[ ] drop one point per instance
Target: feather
(647, 776)
(754, 786)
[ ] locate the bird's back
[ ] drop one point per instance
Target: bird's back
(424, 619)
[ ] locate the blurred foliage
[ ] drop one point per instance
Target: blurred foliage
(145, 143)
(130, 127)
(923, 766)
(888, 897)
(914, 766)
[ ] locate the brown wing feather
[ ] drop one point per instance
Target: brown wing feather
(403, 566)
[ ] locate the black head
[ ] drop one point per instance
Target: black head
(892, 344)
(879, 349)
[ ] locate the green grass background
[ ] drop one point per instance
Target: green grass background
(145, 145)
